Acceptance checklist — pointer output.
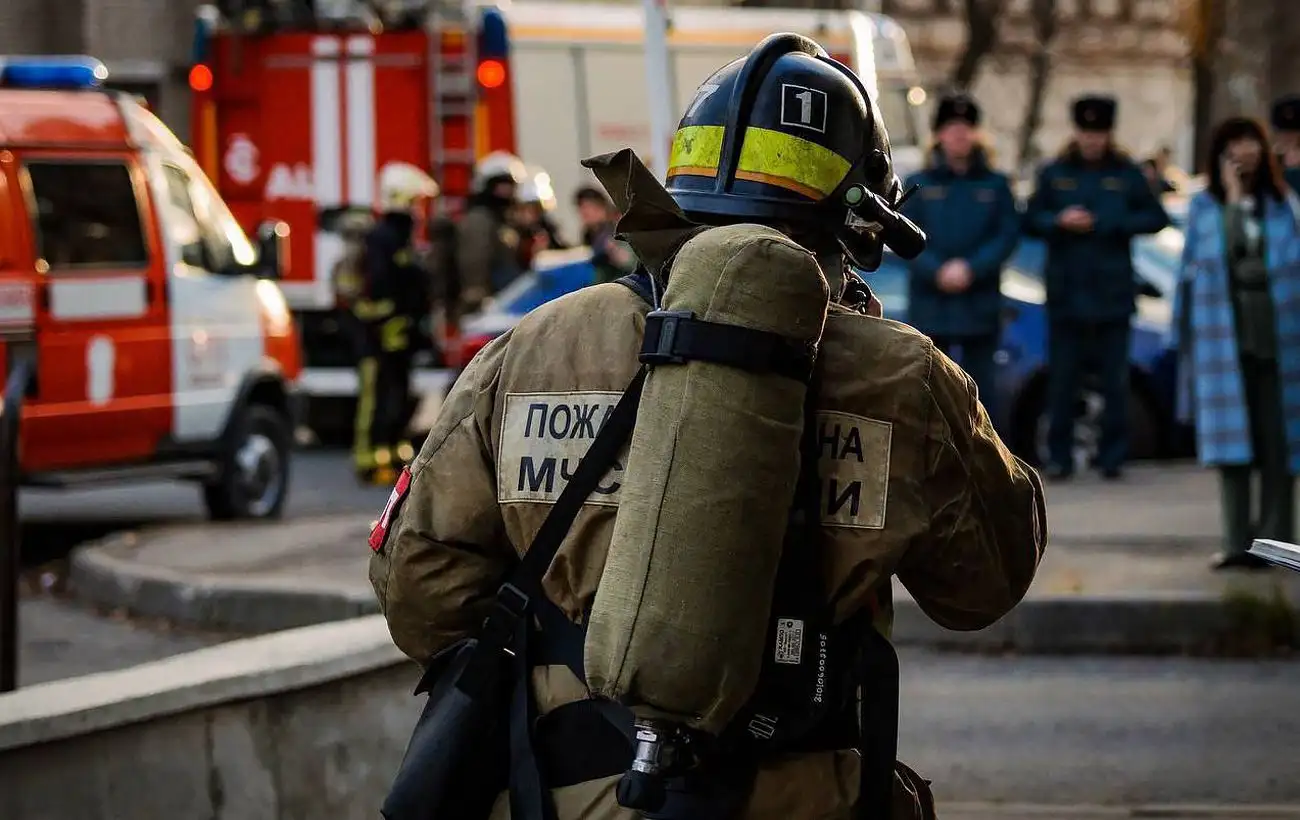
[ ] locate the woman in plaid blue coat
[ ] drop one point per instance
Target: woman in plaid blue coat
(1237, 323)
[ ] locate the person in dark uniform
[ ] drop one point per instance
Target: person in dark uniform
(1286, 141)
(1088, 205)
(394, 302)
(487, 243)
(969, 213)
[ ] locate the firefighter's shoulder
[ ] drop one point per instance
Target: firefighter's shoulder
(608, 304)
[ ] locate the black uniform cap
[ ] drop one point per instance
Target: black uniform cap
(1286, 113)
(1095, 113)
(960, 107)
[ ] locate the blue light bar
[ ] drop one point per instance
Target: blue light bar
(493, 42)
(70, 72)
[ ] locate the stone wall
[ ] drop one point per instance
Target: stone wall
(145, 43)
(297, 725)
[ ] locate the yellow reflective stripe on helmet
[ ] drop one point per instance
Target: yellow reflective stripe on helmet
(697, 150)
(771, 157)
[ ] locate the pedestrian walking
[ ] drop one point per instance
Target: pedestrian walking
(1237, 325)
(1088, 205)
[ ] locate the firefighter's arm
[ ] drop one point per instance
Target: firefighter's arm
(437, 567)
(375, 302)
(988, 520)
(474, 251)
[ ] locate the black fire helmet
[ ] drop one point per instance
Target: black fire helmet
(790, 138)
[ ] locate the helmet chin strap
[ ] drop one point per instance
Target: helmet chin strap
(832, 264)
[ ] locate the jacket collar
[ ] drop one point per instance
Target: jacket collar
(1114, 157)
(978, 167)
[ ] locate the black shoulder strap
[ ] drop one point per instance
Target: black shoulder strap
(509, 625)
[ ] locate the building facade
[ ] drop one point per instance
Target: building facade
(144, 43)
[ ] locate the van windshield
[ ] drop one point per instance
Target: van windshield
(899, 115)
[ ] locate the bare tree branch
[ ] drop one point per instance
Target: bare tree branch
(982, 17)
(1045, 27)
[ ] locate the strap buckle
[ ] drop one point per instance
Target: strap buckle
(509, 608)
(661, 328)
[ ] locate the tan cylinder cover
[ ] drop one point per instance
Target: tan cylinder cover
(679, 624)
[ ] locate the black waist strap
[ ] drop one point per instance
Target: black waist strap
(676, 337)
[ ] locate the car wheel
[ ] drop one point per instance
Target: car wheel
(1144, 430)
(254, 479)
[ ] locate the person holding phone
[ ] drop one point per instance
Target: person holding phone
(1088, 205)
(1237, 329)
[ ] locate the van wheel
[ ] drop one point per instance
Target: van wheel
(254, 480)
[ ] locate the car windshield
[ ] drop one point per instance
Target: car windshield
(900, 114)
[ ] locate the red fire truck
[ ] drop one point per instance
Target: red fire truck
(294, 117)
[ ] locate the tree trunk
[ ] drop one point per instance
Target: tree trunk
(1207, 29)
(981, 38)
(1043, 15)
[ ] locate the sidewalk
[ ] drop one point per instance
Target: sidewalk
(1126, 571)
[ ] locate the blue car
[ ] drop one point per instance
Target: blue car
(1022, 358)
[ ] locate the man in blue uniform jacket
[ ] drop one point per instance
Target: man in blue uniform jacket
(1286, 140)
(1089, 204)
(969, 213)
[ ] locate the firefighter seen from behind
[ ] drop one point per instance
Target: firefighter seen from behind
(722, 566)
(392, 307)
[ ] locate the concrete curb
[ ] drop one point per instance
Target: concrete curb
(1179, 623)
(1080, 624)
(238, 605)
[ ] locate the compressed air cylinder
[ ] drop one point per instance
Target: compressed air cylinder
(680, 619)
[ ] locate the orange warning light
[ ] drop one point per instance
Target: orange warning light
(200, 77)
(491, 73)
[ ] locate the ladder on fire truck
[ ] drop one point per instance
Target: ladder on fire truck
(452, 69)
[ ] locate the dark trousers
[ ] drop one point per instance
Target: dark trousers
(383, 399)
(1276, 484)
(977, 356)
(1075, 349)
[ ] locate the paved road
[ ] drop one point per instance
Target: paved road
(1016, 730)
(1020, 730)
(1102, 730)
(55, 521)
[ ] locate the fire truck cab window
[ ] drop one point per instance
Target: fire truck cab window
(86, 215)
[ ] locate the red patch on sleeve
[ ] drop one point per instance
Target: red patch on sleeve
(379, 533)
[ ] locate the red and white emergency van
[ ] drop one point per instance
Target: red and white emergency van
(294, 122)
(162, 346)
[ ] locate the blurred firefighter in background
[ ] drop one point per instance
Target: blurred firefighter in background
(532, 218)
(392, 308)
(487, 244)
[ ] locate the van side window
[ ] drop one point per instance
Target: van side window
(182, 224)
(212, 244)
(86, 215)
